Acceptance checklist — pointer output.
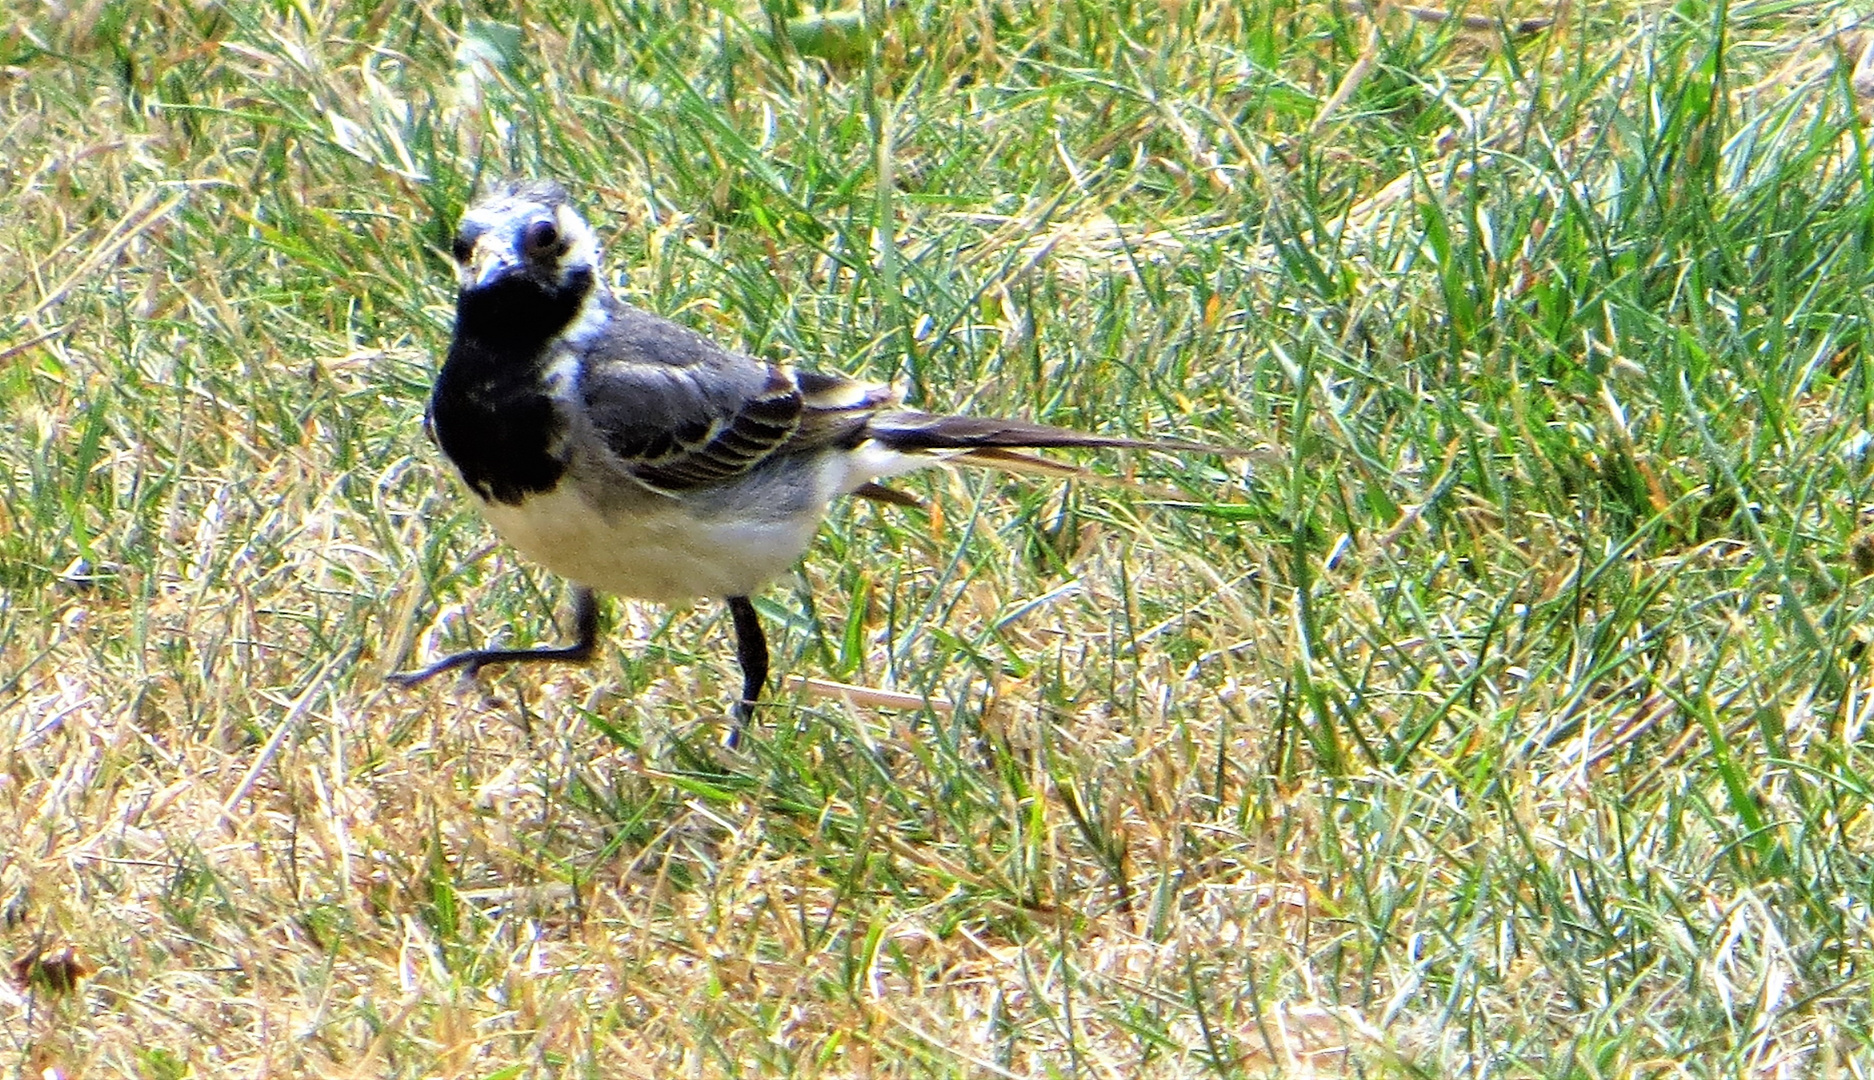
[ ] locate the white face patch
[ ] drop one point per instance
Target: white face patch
(499, 228)
(582, 244)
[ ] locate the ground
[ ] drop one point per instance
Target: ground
(1504, 714)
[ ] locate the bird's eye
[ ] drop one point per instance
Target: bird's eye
(543, 238)
(462, 249)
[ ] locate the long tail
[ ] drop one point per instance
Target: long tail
(911, 439)
(913, 432)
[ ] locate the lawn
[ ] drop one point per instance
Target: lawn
(1507, 714)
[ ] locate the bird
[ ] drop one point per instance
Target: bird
(637, 458)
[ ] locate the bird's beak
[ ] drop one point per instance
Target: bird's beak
(486, 266)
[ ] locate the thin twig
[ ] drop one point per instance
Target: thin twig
(869, 696)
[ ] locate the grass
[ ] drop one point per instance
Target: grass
(1508, 719)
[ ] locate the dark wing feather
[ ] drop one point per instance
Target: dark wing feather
(754, 432)
(681, 412)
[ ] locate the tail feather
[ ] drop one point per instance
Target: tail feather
(996, 457)
(1027, 464)
(911, 432)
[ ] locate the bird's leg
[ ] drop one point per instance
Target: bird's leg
(751, 649)
(585, 616)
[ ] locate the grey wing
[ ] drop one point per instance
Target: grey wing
(682, 412)
(678, 410)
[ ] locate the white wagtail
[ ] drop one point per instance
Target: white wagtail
(635, 457)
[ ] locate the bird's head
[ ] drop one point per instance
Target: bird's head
(525, 237)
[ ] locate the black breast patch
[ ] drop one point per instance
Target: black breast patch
(491, 409)
(500, 432)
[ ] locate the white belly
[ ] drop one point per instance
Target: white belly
(654, 549)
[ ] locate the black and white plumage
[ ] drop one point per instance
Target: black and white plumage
(635, 457)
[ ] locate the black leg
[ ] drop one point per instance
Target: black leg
(585, 616)
(751, 648)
